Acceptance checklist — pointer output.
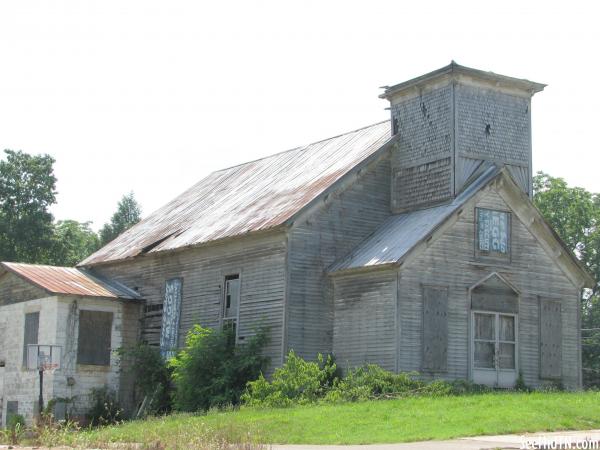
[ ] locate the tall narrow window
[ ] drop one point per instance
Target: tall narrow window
(231, 302)
(32, 326)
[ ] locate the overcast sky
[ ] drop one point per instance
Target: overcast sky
(151, 96)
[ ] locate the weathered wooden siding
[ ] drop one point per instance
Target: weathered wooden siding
(364, 327)
(492, 126)
(423, 159)
(260, 261)
(315, 242)
(13, 289)
(450, 261)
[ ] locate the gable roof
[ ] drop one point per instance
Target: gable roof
(254, 196)
(69, 280)
(400, 233)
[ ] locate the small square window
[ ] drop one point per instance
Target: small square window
(492, 233)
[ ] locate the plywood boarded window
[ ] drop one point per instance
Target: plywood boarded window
(550, 339)
(493, 233)
(169, 333)
(12, 409)
(435, 328)
(32, 326)
(93, 345)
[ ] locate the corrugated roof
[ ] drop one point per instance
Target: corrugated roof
(401, 232)
(69, 280)
(255, 196)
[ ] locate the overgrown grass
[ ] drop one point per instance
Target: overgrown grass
(402, 420)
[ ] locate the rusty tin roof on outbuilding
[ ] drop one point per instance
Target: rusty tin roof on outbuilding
(255, 196)
(69, 281)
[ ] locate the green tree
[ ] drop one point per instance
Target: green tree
(128, 213)
(574, 213)
(72, 242)
(27, 190)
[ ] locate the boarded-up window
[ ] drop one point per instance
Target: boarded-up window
(550, 339)
(169, 333)
(95, 330)
(493, 232)
(32, 326)
(12, 409)
(435, 328)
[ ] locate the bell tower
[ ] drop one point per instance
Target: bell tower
(452, 124)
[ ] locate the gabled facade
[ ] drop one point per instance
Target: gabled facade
(411, 243)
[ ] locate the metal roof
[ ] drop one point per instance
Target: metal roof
(255, 196)
(390, 243)
(69, 280)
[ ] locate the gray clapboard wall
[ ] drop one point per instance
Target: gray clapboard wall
(260, 261)
(449, 261)
(364, 328)
(329, 233)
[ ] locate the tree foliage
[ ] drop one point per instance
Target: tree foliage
(574, 213)
(211, 370)
(27, 190)
(28, 232)
(72, 242)
(128, 213)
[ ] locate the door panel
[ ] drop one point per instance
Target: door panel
(494, 349)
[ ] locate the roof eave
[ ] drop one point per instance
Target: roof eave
(456, 69)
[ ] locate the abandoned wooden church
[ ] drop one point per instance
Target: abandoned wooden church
(411, 243)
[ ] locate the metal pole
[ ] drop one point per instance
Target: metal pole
(41, 399)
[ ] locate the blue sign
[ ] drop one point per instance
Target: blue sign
(169, 333)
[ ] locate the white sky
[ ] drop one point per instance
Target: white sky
(151, 96)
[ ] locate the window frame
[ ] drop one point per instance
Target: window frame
(231, 320)
(25, 344)
(483, 255)
(112, 324)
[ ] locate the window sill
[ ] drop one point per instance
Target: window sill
(92, 368)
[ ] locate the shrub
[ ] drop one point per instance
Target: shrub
(212, 371)
(105, 409)
(371, 381)
(296, 382)
(152, 377)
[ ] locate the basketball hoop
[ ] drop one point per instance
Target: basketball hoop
(43, 358)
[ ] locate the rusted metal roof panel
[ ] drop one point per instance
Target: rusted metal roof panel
(251, 197)
(402, 232)
(69, 280)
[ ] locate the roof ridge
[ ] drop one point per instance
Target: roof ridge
(297, 148)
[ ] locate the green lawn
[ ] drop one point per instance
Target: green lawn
(410, 419)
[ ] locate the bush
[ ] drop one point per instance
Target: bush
(296, 382)
(152, 377)
(371, 381)
(212, 371)
(105, 409)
